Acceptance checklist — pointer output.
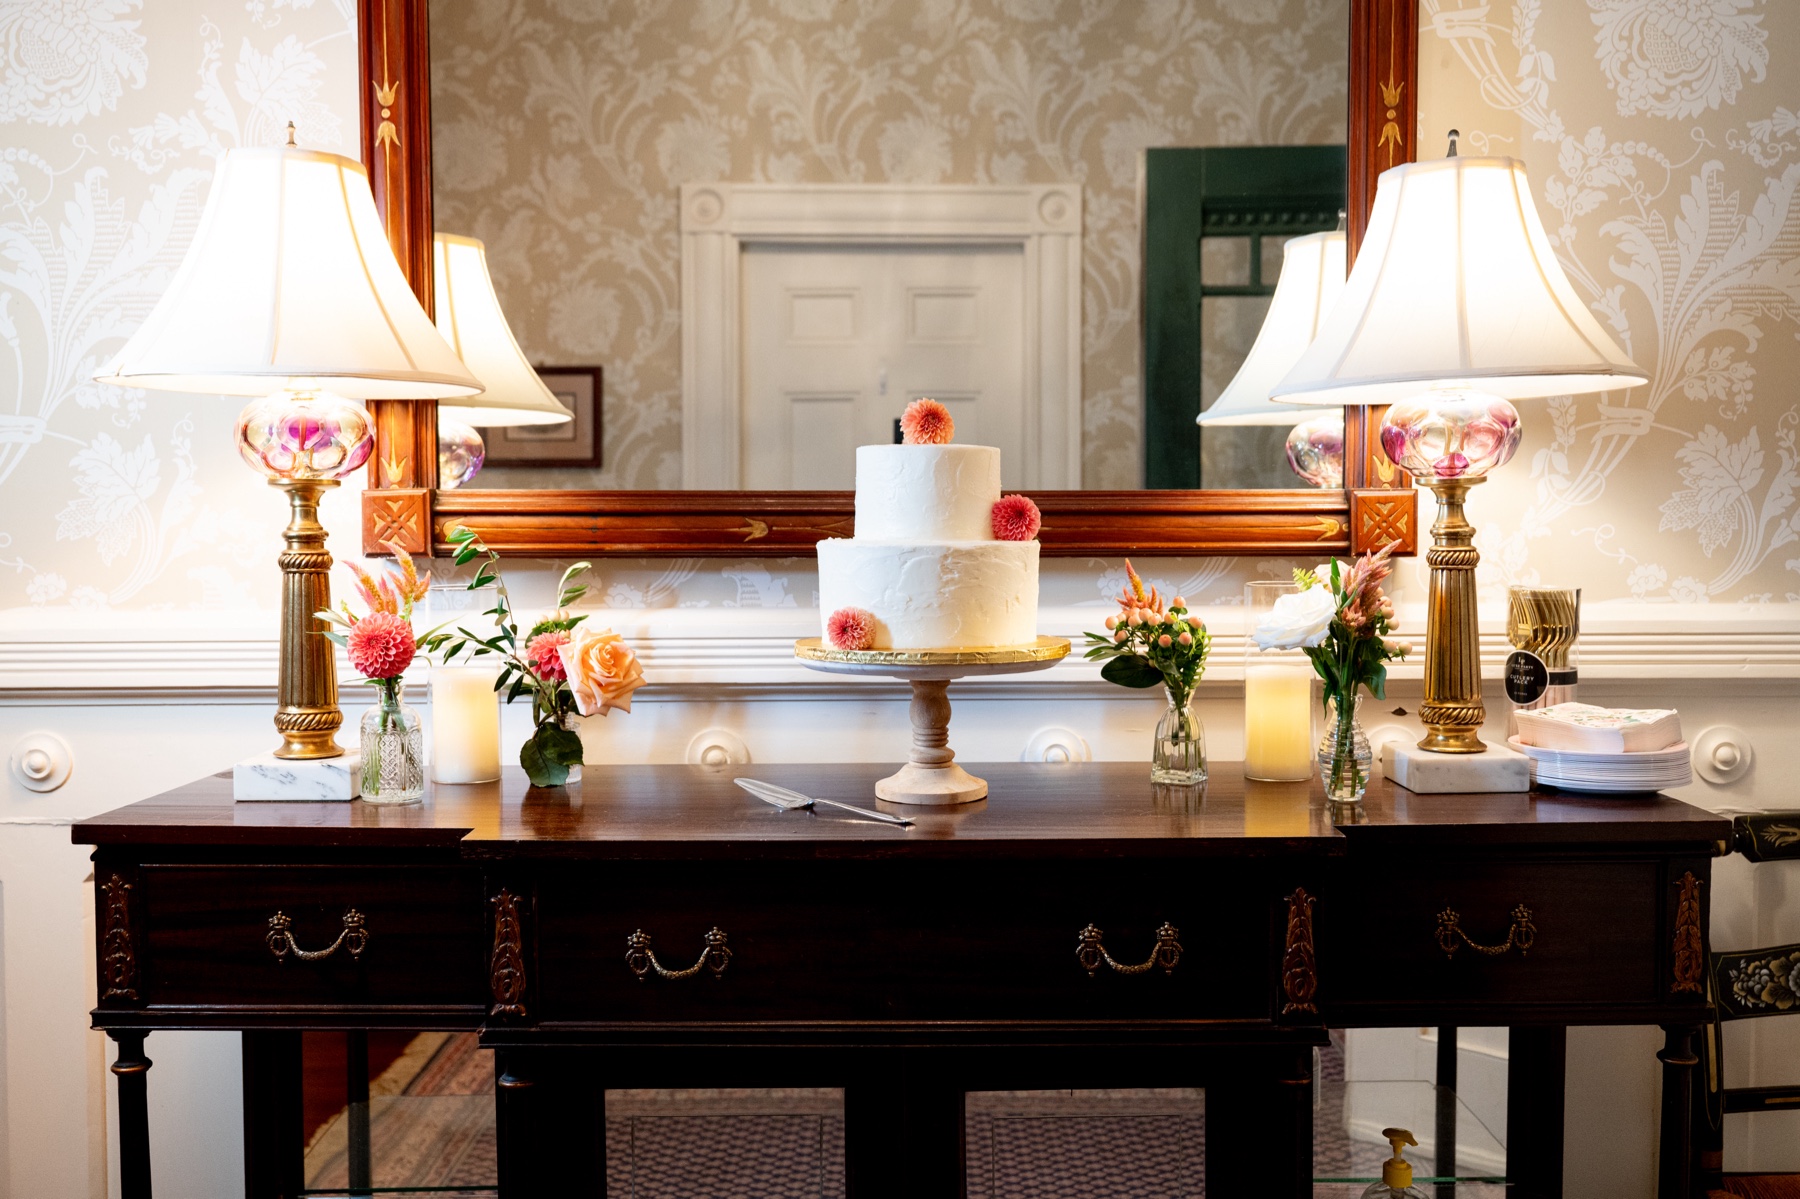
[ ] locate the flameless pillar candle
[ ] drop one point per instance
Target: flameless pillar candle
(465, 724)
(1277, 697)
(465, 711)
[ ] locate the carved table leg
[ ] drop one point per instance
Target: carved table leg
(1675, 1157)
(1260, 1097)
(131, 1068)
(361, 1171)
(931, 775)
(515, 1108)
(551, 1127)
(274, 1116)
(1535, 1068)
(903, 1128)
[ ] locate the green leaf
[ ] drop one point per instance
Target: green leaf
(560, 744)
(466, 555)
(539, 768)
(1132, 671)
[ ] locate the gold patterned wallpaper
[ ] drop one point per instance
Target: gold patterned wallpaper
(1663, 146)
(1661, 137)
(562, 131)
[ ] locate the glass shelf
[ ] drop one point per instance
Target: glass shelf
(1348, 1148)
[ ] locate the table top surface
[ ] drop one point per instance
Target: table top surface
(1092, 809)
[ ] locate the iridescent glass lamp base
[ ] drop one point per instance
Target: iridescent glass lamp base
(1450, 439)
(304, 441)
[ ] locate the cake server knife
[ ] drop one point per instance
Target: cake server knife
(795, 799)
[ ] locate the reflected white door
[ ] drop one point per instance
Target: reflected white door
(837, 341)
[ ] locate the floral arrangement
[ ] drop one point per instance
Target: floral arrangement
(380, 643)
(926, 422)
(1146, 644)
(564, 666)
(1342, 620)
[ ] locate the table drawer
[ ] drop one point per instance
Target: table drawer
(905, 941)
(302, 935)
(1490, 932)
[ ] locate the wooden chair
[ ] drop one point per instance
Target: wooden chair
(1747, 984)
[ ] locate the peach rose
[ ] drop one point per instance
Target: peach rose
(603, 671)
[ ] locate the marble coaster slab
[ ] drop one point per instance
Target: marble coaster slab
(1494, 769)
(267, 777)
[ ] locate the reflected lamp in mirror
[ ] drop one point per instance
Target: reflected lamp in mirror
(469, 317)
(1456, 307)
(1312, 276)
(290, 293)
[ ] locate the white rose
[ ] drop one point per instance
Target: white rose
(1297, 620)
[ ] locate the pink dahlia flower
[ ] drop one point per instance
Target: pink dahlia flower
(1016, 518)
(541, 653)
(927, 422)
(381, 645)
(851, 628)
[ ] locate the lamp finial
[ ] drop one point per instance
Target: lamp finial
(1453, 136)
(292, 146)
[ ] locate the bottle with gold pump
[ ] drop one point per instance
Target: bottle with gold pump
(1396, 1173)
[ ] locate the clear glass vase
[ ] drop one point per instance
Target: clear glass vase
(393, 748)
(572, 722)
(1344, 754)
(1179, 756)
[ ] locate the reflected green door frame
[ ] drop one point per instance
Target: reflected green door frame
(1190, 194)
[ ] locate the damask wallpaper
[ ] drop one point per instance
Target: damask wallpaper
(1660, 135)
(114, 113)
(562, 131)
(1662, 142)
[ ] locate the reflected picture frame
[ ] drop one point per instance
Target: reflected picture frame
(580, 389)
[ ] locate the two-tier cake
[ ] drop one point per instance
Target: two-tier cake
(940, 559)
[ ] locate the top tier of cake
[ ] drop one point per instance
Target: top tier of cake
(927, 493)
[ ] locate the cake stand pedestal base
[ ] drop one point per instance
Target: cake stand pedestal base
(931, 775)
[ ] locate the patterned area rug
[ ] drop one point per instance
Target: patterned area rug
(431, 1125)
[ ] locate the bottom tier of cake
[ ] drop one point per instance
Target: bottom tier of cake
(944, 595)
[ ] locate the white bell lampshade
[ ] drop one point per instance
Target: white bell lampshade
(1456, 285)
(469, 316)
(1312, 276)
(290, 284)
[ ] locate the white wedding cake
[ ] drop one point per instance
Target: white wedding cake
(926, 568)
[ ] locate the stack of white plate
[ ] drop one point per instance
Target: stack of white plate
(1616, 774)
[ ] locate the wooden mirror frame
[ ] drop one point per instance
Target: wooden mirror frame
(402, 503)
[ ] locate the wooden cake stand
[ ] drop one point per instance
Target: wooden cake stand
(932, 776)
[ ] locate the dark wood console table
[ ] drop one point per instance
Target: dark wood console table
(658, 927)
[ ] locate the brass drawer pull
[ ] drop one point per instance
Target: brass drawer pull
(642, 959)
(354, 938)
(1451, 937)
(1092, 954)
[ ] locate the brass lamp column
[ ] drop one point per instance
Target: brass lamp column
(307, 715)
(1452, 711)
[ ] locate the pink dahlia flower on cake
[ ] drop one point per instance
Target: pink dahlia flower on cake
(851, 628)
(927, 422)
(380, 645)
(541, 653)
(1016, 518)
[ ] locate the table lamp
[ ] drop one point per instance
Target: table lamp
(1456, 307)
(1312, 276)
(468, 315)
(291, 293)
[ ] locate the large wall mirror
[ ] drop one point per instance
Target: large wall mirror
(736, 240)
